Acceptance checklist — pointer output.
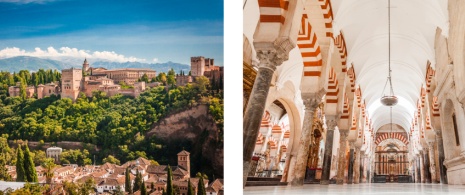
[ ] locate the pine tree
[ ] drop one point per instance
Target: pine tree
(29, 168)
(137, 182)
(143, 189)
(201, 187)
(169, 182)
(127, 182)
(190, 190)
(20, 172)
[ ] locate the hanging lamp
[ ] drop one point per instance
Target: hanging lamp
(391, 99)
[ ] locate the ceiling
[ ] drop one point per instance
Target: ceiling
(364, 24)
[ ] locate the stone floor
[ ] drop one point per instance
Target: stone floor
(359, 189)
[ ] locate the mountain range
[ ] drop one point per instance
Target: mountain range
(15, 64)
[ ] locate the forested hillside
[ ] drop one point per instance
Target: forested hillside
(117, 125)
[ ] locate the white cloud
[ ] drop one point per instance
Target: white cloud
(155, 60)
(66, 52)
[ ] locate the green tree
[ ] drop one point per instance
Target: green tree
(30, 170)
(190, 190)
(202, 84)
(127, 181)
(201, 175)
(171, 77)
(201, 187)
(137, 182)
(169, 182)
(22, 89)
(118, 191)
(5, 150)
(145, 78)
(87, 187)
(152, 187)
(111, 159)
(20, 172)
(4, 176)
(48, 165)
(29, 189)
(39, 157)
(162, 78)
(143, 189)
(70, 188)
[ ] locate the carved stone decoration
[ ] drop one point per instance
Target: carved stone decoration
(270, 59)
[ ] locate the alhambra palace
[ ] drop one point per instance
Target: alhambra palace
(89, 79)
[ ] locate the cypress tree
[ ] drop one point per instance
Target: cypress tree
(29, 168)
(190, 190)
(169, 182)
(152, 187)
(143, 189)
(127, 181)
(20, 165)
(201, 187)
(137, 182)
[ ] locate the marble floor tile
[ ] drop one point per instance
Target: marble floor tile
(359, 189)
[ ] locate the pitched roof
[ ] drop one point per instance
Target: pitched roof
(183, 152)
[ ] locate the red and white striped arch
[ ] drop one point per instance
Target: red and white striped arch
(333, 87)
(309, 48)
(429, 76)
(383, 136)
(345, 108)
(340, 43)
(328, 16)
(435, 107)
(273, 11)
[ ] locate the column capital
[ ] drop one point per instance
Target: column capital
(331, 122)
(344, 134)
(438, 133)
(352, 145)
(431, 144)
(270, 58)
(311, 101)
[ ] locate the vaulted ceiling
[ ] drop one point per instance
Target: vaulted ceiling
(364, 24)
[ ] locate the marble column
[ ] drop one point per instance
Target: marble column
(311, 102)
(442, 168)
(432, 167)
(331, 122)
(357, 166)
(422, 168)
(342, 156)
(418, 172)
(426, 166)
(350, 174)
(269, 60)
(365, 168)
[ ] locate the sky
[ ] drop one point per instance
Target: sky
(147, 31)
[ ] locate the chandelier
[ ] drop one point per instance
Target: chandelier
(391, 99)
